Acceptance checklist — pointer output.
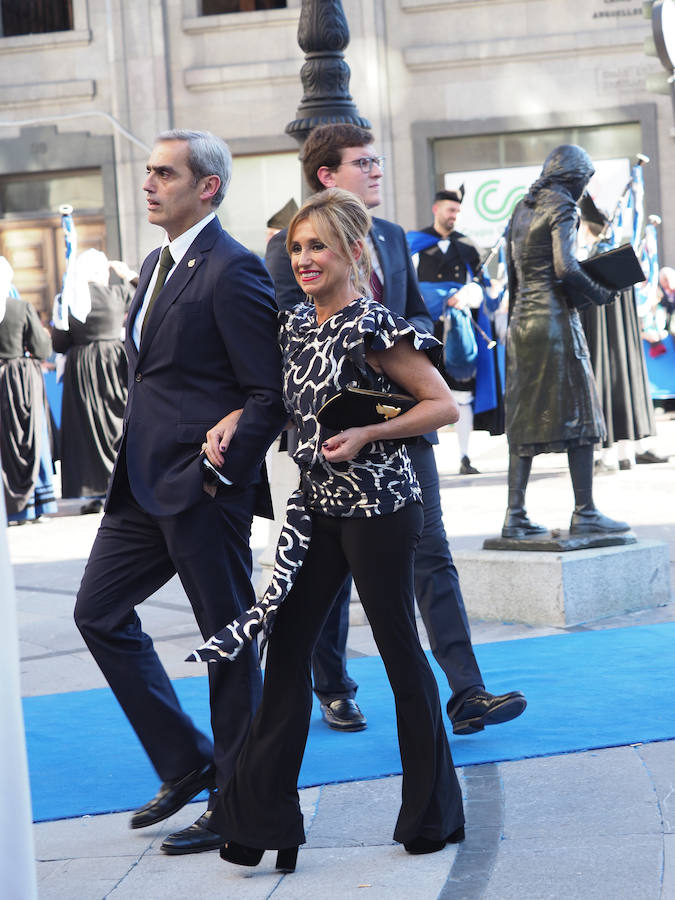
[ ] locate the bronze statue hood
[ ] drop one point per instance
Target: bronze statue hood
(569, 167)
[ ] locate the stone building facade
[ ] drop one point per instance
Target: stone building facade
(450, 86)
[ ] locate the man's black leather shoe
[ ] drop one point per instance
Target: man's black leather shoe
(173, 795)
(344, 715)
(196, 838)
(482, 708)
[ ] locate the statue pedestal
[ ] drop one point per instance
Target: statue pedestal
(553, 586)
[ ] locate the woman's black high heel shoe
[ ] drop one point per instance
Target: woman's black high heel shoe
(241, 855)
(286, 859)
(427, 845)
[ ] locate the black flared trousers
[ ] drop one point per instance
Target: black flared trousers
(260, 806)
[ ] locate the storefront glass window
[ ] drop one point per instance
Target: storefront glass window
(497, 169)
(530, 148)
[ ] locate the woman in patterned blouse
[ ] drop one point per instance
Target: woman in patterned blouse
(358, 508)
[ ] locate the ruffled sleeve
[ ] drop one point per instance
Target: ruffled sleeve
(379, 329)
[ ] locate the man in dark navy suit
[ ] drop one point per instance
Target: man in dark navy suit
(344, 156)
(202, 344)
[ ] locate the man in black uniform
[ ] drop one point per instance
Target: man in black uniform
(455, 259)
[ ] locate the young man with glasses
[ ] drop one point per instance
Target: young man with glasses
(344, 156)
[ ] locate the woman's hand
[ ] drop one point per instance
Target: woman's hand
(218, 438)
(344, 446)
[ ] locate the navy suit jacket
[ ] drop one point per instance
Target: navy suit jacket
(209, 346)
(401, 293)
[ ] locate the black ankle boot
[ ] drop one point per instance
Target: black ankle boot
(592, 521)
(421, 845)
(516, 523)
(586, 519)
(241, 855)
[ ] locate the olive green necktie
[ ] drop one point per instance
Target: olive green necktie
(165, 265)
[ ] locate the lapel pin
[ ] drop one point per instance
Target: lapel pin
(191, 263)
(380, 237)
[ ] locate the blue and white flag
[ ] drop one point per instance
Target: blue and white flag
(637, 203)
(61, 301)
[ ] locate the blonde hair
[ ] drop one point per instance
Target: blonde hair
(340, 219)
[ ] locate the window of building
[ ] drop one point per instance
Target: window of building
(261, 185)
(30, 194)
(527, 148)
(216, 7)
(497, 169)
(35, 16)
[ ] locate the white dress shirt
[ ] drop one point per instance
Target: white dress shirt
(178, 247)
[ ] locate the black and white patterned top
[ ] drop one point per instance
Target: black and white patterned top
(320, 360)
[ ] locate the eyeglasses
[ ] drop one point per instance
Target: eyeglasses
(366, 163)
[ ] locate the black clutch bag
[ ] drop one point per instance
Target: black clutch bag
(354, 407)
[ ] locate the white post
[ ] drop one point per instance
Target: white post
(17, 852)
(284, 476)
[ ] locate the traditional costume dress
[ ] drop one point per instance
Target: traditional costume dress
(94, 391)
(27, 466)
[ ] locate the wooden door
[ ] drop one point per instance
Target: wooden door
(35, 249)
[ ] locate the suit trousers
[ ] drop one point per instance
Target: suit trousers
(439, 598)
(133, 555)
(260, 805)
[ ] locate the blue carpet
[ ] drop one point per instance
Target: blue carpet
(585, 690)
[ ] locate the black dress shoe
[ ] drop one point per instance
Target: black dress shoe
(421, 845)
(649, 457)
(344, 715)
(466, 468)
(482, 708)
(173, 795)
(625, 464)
(196, 838)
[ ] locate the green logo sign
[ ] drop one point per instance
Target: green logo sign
(486, 201)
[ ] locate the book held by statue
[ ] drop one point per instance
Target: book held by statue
(618, 268)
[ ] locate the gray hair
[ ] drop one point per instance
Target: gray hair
(207, 155)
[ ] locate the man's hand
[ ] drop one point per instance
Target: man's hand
(218, 438)
(469, 295)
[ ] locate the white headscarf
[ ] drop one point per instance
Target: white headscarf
(91, 265)
(6, 289)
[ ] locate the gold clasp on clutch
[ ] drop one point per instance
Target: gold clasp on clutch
(389, 412)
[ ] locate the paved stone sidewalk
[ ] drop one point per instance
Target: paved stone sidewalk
(588, 825)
